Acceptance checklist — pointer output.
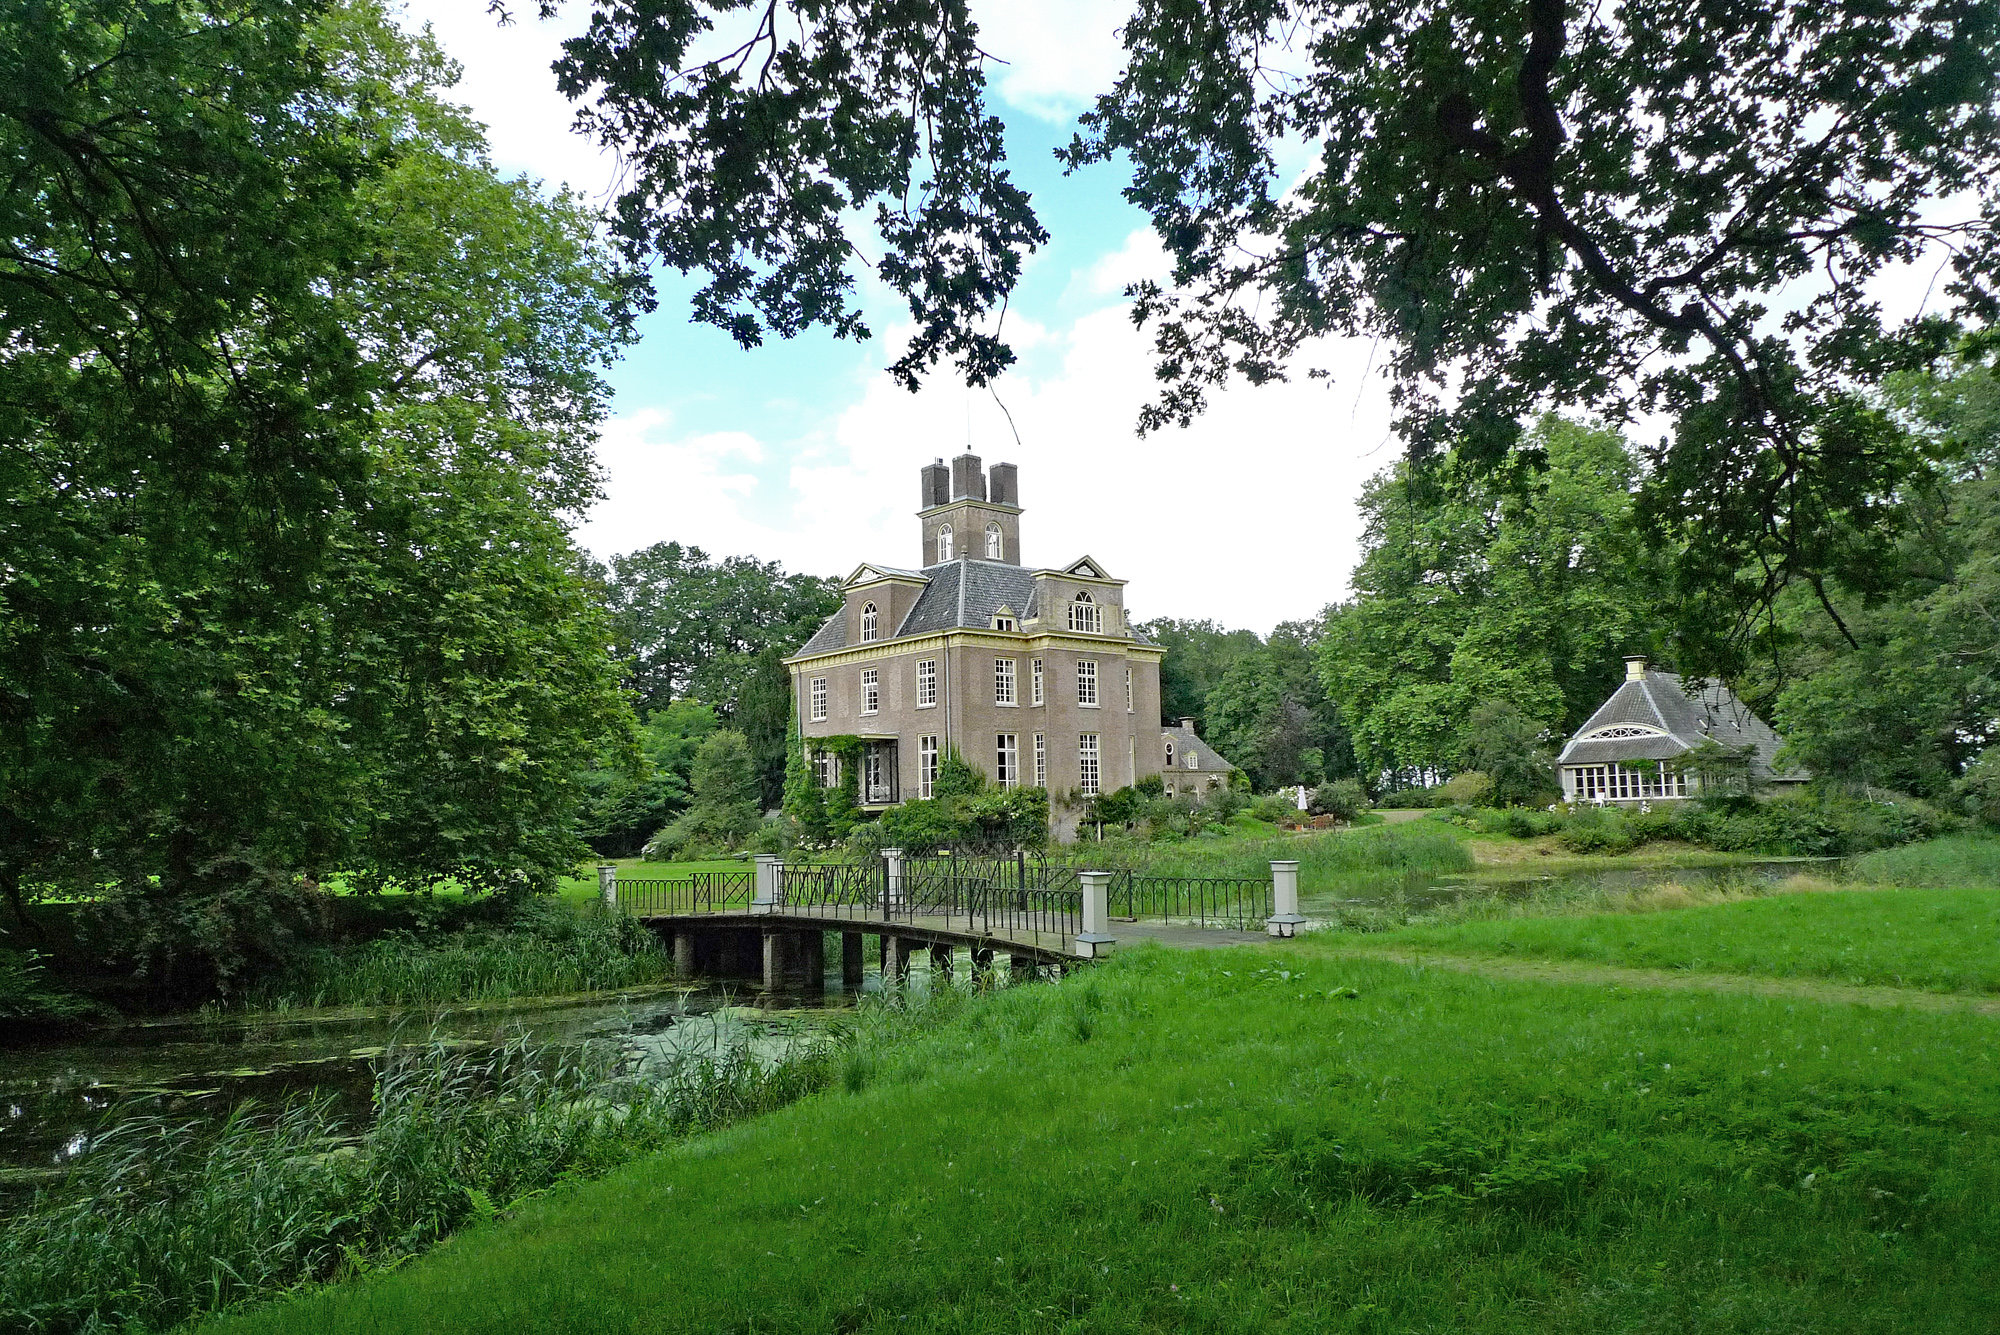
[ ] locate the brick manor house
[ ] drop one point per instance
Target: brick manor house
(1036, 676)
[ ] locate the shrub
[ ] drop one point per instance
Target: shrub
(1343, 799)
(1275, 809)
(1470, 789)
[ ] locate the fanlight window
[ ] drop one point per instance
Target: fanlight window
(993, 542)
(1086, 615)
(944, 543)
(870, 623)
(1608, 733)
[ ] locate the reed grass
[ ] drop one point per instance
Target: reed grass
(1961, 860)
(163, 1220)
(553, 950)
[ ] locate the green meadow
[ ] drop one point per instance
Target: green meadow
(1284, 1138)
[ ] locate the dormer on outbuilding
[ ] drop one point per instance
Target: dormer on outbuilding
(968, 512)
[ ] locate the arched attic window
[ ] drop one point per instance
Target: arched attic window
(870, 623)
(1085, 614)
(944, 543)
(993, 542)
(1170, 753)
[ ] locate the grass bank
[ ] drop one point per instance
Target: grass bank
(165, 1220)
(1940, 940)
(1952, 862)
(1278, 1140)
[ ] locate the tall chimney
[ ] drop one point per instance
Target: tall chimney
(1635, 667)
(937, 483)
(1188, 723)
(1006, 484)
(968, 479)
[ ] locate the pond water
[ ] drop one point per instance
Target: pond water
(55, 1096)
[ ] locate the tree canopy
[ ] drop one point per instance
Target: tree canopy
(298, 402)
(1660, 208)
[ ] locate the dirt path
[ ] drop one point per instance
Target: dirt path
(1569, 971)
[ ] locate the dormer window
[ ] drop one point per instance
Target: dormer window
(1004, 620)
(993, 542)
(1085, 615)
(944, 543)
(1170, 753)
(870, 623)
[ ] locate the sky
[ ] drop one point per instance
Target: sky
(805, 452)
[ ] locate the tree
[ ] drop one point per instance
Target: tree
(1526, 588)
(300, 394)
(694, 628)
(1271, 715)
(1510, 749)
(1529, 204)
(1199, 653)
(622, 808)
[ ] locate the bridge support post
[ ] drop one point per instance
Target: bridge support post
(774, 957)
(982, 966)
(941, 958)
(684, 953)
(851, 962)
(892, 885)
(764, 897)
(1022, 967)
(1285, 918)
(607, 884)
(1095, 940)
(895, 960)
(812, 960)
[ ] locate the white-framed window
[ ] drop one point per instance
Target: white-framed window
(1170, 753)
(926, 683)
(826, 769)
(1004, 620)
(871, 624)
(1128, 690)
(1007, 759)
(871, 690)
(819, 700)
(944, 543)
(1035, 681)
(1193, 758)
(993, 542)
(1625, 783)
(1086, 764)
(1041, 761)
(1085, 615)
(1086, 682)
(874, 788)
(927, 764)
(1003, 682)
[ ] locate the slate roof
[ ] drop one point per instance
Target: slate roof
(1660, 700)
(1186, 740)
(961, 594)
(965, 593)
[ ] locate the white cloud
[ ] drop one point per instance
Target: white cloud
(1060, 54)
(1142, 256)
(1246, 517)
(509, 86)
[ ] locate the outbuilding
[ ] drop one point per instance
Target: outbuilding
(1627, 752)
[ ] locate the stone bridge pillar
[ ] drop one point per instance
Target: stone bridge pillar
(1095, 940)
(1285, 918)
(764, 898)
(892, 895)
(607, 884)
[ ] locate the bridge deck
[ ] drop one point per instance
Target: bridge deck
(955, 929)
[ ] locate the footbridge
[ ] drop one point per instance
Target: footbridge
(1044, 915)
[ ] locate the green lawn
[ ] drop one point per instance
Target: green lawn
(1951, 863)
(1943, 940)
(1273, 1139)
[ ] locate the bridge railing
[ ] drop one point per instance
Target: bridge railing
(831, 885)
(1244, 903)
(697, 892)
